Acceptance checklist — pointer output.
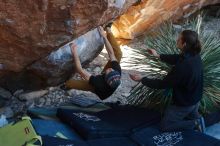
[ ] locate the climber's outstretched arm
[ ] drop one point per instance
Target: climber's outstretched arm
(84, 74)
(108, 46)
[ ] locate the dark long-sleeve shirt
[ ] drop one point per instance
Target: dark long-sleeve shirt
(185, 78)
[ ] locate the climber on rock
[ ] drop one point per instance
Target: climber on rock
(108, 81)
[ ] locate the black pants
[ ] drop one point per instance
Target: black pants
(180, 118)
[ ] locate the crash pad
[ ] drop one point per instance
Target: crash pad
(151, 136)
(115, 122)
(54, 129)
(53, 141)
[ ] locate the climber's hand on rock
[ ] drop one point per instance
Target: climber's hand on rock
(73, 47)
(102, 32)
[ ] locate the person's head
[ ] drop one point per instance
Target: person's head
(112, 78)
(188, 41)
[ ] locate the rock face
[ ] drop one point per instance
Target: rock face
(150, 13)
(58, 66)
(31, 29)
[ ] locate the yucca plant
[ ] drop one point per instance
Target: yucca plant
(164, 42)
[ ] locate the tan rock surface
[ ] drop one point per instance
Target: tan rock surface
(150, 13)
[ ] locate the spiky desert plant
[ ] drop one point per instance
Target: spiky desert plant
(165, 43)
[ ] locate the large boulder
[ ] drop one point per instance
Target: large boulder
(56, 67)
(31, 29)
(151, 13)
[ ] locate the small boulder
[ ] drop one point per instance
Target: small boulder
(32, 95)
(4, 94)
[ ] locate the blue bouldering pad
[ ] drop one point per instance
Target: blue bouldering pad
(54, 129)
(43, 113)
(117, 122)
(213, 130)
(53, 141)
(119, 141)
(152, 136)
(50, 113)
(93, 108)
